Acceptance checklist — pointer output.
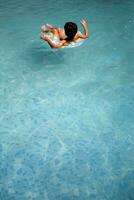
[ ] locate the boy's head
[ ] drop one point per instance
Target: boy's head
(70, 30)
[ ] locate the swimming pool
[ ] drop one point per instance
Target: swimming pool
(67, 120)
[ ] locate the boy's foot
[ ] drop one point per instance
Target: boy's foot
(44, 28)
(49, 26)
(41, 35)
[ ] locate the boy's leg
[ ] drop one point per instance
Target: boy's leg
(50, 26)
(44, 28)
(53, 30)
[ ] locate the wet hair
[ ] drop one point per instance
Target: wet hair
(70, 30)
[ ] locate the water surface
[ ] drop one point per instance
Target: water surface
(67, 116)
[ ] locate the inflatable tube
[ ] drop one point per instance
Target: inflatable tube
(79, 41)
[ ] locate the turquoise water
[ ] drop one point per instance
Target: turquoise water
(67, 116)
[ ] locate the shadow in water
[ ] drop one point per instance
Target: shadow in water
(39, 56)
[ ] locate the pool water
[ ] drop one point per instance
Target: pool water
(67, 116)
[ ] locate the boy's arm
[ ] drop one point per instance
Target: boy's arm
(85, 35)
(51, 43)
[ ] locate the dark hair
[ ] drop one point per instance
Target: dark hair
(70, 30)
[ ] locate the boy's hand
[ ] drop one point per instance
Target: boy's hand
(83, 22)
(43, 36)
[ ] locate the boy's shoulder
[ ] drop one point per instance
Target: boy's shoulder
(78, 34)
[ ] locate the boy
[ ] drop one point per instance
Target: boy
(62, 37)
